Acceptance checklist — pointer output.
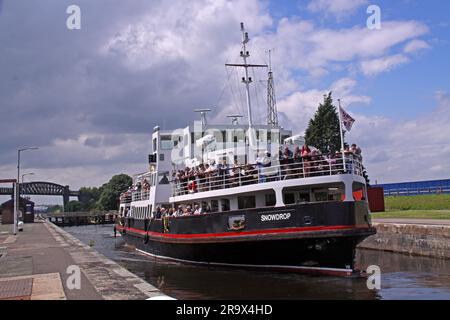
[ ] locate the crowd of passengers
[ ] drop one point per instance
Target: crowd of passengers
(181, 211)
(138, 187)
(303, 162)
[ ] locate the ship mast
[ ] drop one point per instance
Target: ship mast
(247, 80)
(272, 114)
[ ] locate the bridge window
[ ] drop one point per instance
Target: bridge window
(167, 142)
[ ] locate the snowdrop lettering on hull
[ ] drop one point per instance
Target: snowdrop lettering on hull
(275, 217)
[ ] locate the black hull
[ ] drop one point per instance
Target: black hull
(312, 244)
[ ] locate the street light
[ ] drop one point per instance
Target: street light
(17, 191)
(27, 174)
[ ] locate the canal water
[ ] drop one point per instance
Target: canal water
(402, 276)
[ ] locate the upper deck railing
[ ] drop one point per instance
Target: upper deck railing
(232, 177)
(126, 198)
(140, 195)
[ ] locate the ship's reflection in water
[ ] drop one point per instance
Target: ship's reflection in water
(403, 277)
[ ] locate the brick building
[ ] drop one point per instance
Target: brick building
(25, 206)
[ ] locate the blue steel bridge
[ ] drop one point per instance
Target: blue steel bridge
(416, 188)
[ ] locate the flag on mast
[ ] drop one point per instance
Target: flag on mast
(346, 119)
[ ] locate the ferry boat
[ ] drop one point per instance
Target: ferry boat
(304, 214)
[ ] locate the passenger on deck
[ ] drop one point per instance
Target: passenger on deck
(187, 211)
(179, 211)
(356, 151)
(262, 162)
(233, 173)
(348, 159)
(285, 162)
(306, 156)
(158, 213)
(297, 154)
(198, 210)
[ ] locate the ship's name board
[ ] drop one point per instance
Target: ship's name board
(275, 217)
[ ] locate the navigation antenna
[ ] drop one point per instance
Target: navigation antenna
(272, 114)
(235, 118)
(247, 80)
(203, 115)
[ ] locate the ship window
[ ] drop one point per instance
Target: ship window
(321, 196)
(246, 202)
(161, 157)
(225, 204)
(166, 142)
(289, 198)
(154, 145)
(271, 199)
(214, 205)
(304, 197)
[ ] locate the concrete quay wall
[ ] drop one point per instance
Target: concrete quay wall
(413, 239)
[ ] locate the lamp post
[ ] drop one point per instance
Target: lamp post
(27, 174)
(17, 191)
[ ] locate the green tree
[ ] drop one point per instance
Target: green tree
(109, 198)
(73, 206)
(89, 198)
(54, 208)
(323, 130)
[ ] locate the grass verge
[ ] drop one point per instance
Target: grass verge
(413, 214)
(422, 202)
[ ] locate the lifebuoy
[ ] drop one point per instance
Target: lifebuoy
(192, 187)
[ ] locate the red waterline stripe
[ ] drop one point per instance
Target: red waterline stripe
(243, 233)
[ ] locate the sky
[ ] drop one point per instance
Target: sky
(89, 98)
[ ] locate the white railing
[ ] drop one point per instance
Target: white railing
(140, 195)
(253, 174)
(125, 199)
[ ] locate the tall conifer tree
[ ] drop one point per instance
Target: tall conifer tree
(323, 129)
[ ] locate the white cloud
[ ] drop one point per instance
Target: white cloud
(301, 45)
(406, 150)
(338, 8)
(416, 45)
(191, 31)
(376, 66)
(299, 107)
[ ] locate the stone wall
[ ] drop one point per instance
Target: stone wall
(413, 239)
